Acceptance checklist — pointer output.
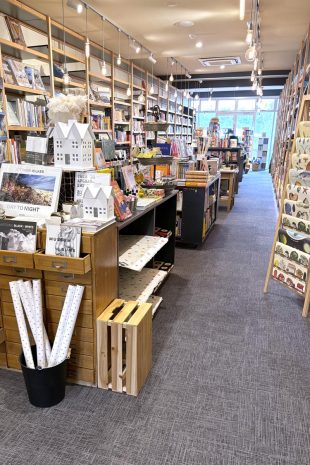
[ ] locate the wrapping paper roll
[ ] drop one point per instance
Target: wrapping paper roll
(68, 328)
(38, 317)
(62, 325)
(299, 177)
(303, 145)
(21, 324)
(298, 194)
(301, 161)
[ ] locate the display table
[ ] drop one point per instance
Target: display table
(234, 155)
(229, 178)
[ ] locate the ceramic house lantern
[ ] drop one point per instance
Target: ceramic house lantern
(73, 145)
(98, 202)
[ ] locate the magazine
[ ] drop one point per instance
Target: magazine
(15, 30)
(63, 240)
(20, 236)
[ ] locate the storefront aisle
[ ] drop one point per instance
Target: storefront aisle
(230, 383)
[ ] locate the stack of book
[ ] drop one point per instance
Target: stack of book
(100, 121)
(15, 72)
(23, 113)
(196, 178)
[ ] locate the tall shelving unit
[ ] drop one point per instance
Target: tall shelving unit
(49, 43)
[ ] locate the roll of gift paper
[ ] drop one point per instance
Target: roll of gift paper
(38, 317)
(303, 145)
(301, 161)
(21, 324)
(68, 328)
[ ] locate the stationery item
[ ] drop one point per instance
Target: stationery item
(66, 324)
(290, 267)
(291, 222)
(63, 240)
(294, 239)
(297, 209)
(136, 251)
(15, 30)
(21, 323)
(303, 145)
(301, 161)
(293, 254)
(288, 279)
(299, 177)
(298, 194)
(18, 235)
(38, 317)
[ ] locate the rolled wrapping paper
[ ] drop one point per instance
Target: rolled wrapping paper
(38, 314)
(21, 324)
(68, 328)
(301, 161)
(29, 291)
(61, 325)
(303, 145)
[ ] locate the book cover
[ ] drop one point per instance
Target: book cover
(15, 30)
(121, 209)
(4, 30)
(19, 72)
(11, 114)
(20, 236)
(63, 240)
(8, 73)
(38, 83)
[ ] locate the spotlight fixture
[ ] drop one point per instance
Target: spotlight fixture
(134, 45)
(76, 5)
(242, 10)
(198, 44)
(171, 77)
(249, 34)
(188, 75)
(152, 59)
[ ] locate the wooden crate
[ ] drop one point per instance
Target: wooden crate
(124, 346)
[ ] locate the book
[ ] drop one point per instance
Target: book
(15, 29)
(8, 73)
(20, 236)
(11, 114)
(63, 240)
(4, 30)
(121, 209)
(34, 78)
(19, 72)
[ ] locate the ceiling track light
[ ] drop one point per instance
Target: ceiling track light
(135, 46)
(188, 75)
(152, 59)
(242, 10)
(78, 6)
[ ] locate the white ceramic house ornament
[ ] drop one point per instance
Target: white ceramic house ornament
(73, 144)
(98, 202)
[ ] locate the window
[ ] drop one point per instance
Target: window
(226, 122)
(203, 119)
(207, 105)
(246, 104)
(226, 105)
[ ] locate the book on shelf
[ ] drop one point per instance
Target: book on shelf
(18, 69)
(15, 30)
(121, 209)
(25, 113)
(100, 121)
(99, 93)
(20, 236)
(34, 78)
(63, 240)
(15, 150)
(8, 73)
(4, 30)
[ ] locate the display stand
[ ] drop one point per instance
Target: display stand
(229, 178)
(197, 212)
(235, 157)
(289, 280)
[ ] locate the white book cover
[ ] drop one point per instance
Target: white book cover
(63, 240)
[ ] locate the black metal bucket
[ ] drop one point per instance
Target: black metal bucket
(46, 387)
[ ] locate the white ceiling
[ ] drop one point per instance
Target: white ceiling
(216, 24)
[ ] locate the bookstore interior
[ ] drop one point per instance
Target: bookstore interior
(133, 156)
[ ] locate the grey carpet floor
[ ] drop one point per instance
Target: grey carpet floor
(230, 383)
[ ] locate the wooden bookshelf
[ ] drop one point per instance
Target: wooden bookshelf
(53, 51)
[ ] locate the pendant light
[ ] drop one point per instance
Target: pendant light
(251, 53)
(119, 58)
(249, 34)
(175, 90)
(184, 92)
(128, 91)
(171, 75)
(255, 64)
(87, 44)
(66, 77)
(252, 76)
(103, 64)
(167, 81)
(242, 10)
(152, 91)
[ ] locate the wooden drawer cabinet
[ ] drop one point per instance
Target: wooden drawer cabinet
(97, 270)
(62, 264)
(16, 259)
